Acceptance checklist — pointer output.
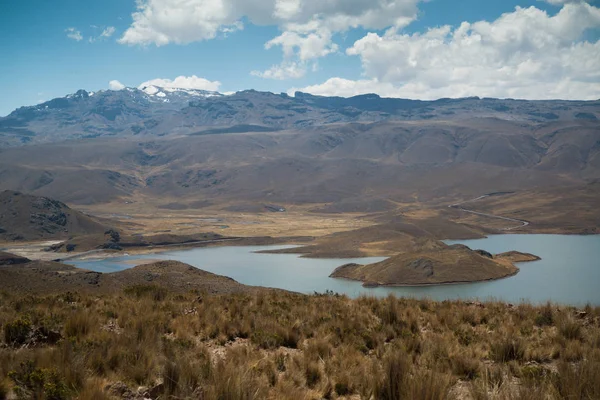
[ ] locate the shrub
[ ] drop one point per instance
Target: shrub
(17, 331)
(32, 382)
(545, 317)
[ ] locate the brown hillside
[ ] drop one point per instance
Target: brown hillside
(26, 217)
(11, 259)
(436, 266)
(39, 277)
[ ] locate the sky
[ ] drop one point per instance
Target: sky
(421, 49)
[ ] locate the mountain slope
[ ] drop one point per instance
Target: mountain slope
(26, 217)
(154, 111)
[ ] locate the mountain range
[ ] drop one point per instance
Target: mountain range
(184, 149)
(151, 112)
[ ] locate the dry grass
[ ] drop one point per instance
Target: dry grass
(275, 345)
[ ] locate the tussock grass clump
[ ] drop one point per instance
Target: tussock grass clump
(545, 316)
(466, 367)
(277, 345)
(78, 325)
(508, 349)
(570, 328)
(154, 292)
(3, 389)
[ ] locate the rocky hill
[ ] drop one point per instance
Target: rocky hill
(27, 217)
(157, 112)
(453, 264)
(45, 277)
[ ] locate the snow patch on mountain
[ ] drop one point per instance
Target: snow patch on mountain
(166, 93)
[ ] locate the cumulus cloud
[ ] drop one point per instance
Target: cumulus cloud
(562, 2)
(74, 34)
(161, 22)
(523, 54)
(298, 50)
(115, 85)
(184, 82)
(307, 26)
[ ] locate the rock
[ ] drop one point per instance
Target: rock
(340, 271)
(113, 235)
(484, 253)
(120, 390)
(46, 336)
(198, 393)
(459, 246)
(113, 327)
(93, 278)
(111, 246)
(581, 314)
(156, 391)
(370, 284)
(424, 265)
(475, 304)
(189, 311)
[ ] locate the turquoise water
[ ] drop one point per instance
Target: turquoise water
(569, 271)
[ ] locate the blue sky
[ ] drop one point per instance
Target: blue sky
(40, 61)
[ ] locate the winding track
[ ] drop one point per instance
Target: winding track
(458, 206)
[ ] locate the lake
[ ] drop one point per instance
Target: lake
(568, 273)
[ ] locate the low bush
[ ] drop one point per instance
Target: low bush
(17, 331)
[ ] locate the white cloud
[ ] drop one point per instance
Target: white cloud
(562, 2)
(307, 26)
(287, 9)
(108, 32)
(298, 49)
(348, 88)
(74, 34)
(522, 54)
(184, 82)
(285, 70)
(305, 46)
(115, 85)
(161, 22)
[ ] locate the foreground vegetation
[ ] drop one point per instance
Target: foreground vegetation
(148, 343)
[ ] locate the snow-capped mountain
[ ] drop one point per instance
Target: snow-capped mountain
(155, 111)
(167, 94)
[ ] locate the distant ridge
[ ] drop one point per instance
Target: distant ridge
(153, 111)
